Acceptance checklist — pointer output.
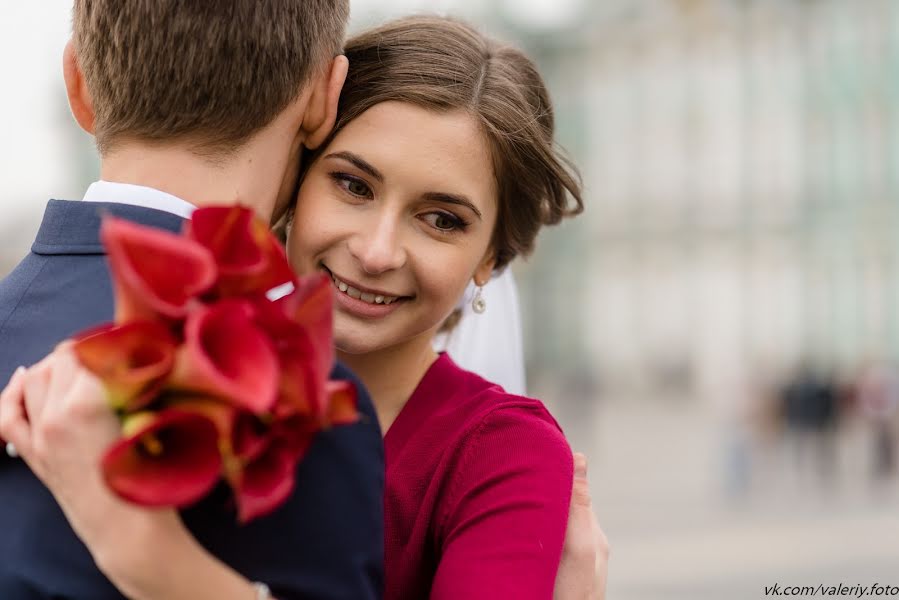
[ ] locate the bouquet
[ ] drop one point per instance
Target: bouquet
(212, 378)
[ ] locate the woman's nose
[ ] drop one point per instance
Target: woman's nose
(378, 247)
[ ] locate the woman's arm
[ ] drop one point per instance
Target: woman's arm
(56, 416)
(502, 522)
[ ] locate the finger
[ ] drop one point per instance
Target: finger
(86, 398)
(17, 374)
(14, 426)
(37, 380)
(580, 490)
(580, 466)
(13, 390)
(579, 537)
(601, 573)
(66, 370)
(66, 344)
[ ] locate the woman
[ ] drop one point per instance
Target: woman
(440, 171)
(402, 239)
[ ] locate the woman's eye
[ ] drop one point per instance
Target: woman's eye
(357, 188)
(445, 221)
(352, 185)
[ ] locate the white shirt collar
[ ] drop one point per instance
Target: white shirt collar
(138, 195)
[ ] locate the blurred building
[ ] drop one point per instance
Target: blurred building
(741, 160)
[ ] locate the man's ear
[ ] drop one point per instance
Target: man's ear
(485, 268)
(321, 111)
(76, 89)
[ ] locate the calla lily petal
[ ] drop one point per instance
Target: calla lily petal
(311, 306)
(226, 355)
(132, 360)
(155, 274)
(223, 414)
(266, 482)
(170, 458)
(342, 403)
(298, 388)
(250, 437)
(250, 259)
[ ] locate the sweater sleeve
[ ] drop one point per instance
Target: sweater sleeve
(503, 521)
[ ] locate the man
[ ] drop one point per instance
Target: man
(191, 103)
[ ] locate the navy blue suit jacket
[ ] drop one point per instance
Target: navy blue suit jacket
(325, 542)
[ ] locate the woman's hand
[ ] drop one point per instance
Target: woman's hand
(56, 415)
(585, 555)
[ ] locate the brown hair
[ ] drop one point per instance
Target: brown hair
(443, 64)
(213, 73)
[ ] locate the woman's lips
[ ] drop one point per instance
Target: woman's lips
(362, 302)
(373, 297)
(360, 307)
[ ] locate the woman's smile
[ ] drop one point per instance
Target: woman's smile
(364, 301)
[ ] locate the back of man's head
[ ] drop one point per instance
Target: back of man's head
(211, 73)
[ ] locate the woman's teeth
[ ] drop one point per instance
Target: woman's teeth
(364, 296)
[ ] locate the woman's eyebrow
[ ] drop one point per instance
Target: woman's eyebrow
(358, 162)
(453, 199)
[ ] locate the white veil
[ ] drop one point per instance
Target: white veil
(490, 343)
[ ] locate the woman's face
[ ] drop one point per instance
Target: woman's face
(399, 209)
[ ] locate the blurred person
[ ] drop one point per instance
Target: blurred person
(810, 404)
(877, 398)
(480, 556)
(738, 400)
(190, 105)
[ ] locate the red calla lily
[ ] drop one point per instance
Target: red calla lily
(223, 414)
(300, 326)
(132, 360)
(249, 257)
(311, 305)
(250, 437)
(298, 388)
(261, 470)
(265, 482)
(169, 458)
(226, 355)
(155, 274)
(342, 403)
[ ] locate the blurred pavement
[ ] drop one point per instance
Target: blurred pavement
(677, 531)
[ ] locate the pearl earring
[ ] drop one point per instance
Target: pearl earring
(478, 304)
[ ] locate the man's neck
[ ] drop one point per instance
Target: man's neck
(261, 174)
(201, 182)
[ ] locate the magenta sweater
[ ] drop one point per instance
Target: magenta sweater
(477, 494)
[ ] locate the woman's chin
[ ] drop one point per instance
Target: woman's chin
(354, 346)
(353, 339)
(357, 336)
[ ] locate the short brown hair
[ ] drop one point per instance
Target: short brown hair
(212, 73)
(443, 64)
